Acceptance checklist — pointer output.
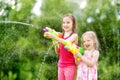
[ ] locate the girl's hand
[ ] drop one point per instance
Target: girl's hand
(55, 43)
(78, 55)
(48, 35)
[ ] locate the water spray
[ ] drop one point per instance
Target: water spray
(15, 22)
(26, 24)
(39, 71)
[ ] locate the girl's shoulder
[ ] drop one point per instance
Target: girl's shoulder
(95, 53)
(73, 38)
(75, 35)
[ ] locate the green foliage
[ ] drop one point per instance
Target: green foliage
(26, 55)
(49, 72)
(10, 76)
(55, 8)
(108, 71)
(24, 13)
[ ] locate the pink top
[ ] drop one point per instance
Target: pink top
(84, 72)
(65, 57)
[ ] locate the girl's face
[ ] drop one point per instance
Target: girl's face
(67, 24)
(88, 42)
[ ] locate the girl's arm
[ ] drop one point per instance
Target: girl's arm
(93, 61)
(76, 61)
(56, 47)
(73, 38)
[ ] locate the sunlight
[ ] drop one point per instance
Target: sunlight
(118, 17)
(118, 9)
(10, 2)
(90, 19)
(113, 2)
(1, 12)
(36, 8)
(82, 3)
(13, 4)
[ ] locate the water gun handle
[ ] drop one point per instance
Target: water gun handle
(52, 31)
(81, 51)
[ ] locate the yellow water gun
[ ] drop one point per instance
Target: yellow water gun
(73, 48)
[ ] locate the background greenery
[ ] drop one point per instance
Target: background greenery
(26, 55)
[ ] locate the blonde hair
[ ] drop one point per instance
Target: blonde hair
(93, 35)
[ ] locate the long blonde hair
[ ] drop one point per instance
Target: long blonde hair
(93, 35)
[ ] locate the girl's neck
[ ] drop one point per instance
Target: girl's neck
(66, 34)
(91, 50)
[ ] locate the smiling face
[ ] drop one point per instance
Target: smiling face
(88, 42)
(67, 24)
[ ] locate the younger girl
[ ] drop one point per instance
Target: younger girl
(66, 63)
(87, 66)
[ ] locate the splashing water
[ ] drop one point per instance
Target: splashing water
(39, 71)
(118, 49)
(15, 22)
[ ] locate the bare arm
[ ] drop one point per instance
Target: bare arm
(93, 61)
(56, 47)
(72, 39)
(76, 61)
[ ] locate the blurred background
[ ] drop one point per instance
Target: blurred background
(26, 55)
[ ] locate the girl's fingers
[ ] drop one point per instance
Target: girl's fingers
(46, 34)
(78, 55)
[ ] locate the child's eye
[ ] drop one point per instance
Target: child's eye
(83, 41)
(68, 22)
(63, 22)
